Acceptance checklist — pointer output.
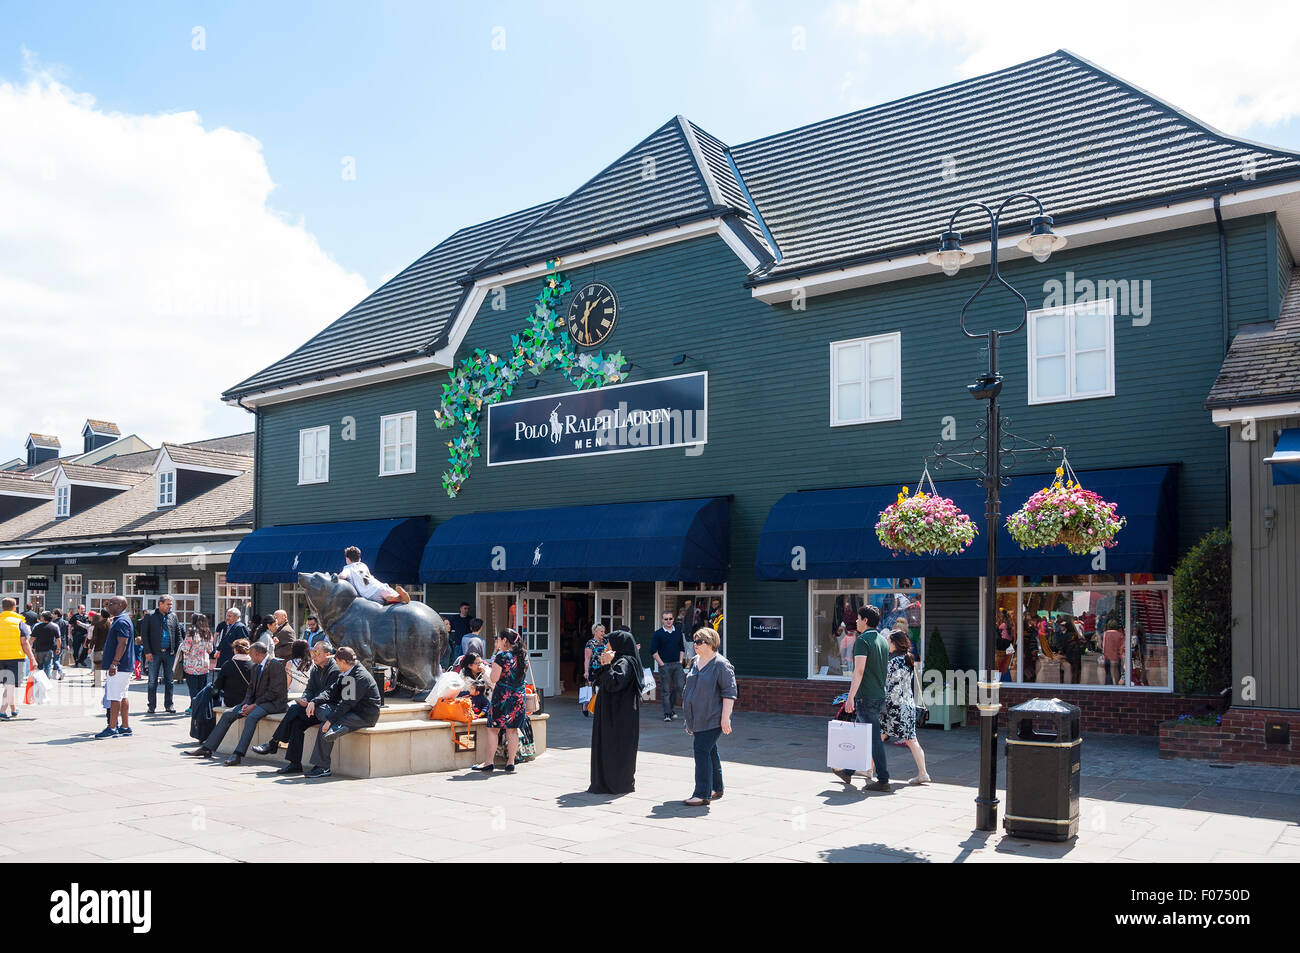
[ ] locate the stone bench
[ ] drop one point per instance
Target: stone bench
(404, 741)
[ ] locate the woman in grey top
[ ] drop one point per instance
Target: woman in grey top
(707, 701)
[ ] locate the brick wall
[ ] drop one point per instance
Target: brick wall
(788, 696)
(1112, 713)
(1239, 738)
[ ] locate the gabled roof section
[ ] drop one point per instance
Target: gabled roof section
(25, 486)
(881, 182)
(401, 318)
(1263, 367)
(43, 440)
(103, 427)
(183, 456)
(664, 180)
(83, 473)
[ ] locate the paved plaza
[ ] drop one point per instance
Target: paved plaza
(67, 797)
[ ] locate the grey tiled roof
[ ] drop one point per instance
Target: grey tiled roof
(12, 483)
(658, 182)
(102, 427)
(96, 473)
(43, 440)
(872, 184)
(219, 459)
(400, 319)
(1263, 367)
(242, 443)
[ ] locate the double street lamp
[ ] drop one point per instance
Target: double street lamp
(988, 447)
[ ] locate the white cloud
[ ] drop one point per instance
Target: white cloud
(1232, 69)
(142, 269)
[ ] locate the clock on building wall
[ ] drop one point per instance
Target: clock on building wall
(592, 314)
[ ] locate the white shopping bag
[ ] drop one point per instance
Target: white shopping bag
(848, 746)
(647, 683)
(40, 687)
(584, 694)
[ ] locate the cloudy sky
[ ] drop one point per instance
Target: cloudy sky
(186, 194)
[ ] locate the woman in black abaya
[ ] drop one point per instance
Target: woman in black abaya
(617, 721)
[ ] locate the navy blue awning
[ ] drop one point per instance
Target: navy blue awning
(78, 554)
(391, 548)
(677, 540)
(1286, 458)
(837, 530)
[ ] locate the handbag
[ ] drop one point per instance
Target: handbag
(591, 705)
(922, 713)
(532, 697)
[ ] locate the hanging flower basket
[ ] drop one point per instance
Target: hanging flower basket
(925, 523)
(1065, 514)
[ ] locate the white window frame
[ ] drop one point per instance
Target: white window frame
(302, 437)
(232, 595)
(72, 597)
(397, 447)
(192, 600)
(896, 338)
(62, 501)
(1105, 304)
(166, 486)
(98, 595)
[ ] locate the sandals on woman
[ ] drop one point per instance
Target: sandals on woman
(696, 802)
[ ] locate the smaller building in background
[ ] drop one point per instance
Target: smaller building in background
(123, 518)
(1257, 398)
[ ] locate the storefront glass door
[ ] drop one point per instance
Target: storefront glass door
(538, 626)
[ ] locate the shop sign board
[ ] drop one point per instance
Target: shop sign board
(766, 628)
(621, 418)
(38, 583)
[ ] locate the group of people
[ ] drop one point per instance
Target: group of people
(707, 690)
(32, 641)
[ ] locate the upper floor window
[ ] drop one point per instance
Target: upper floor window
(167, 488)
(62, 495)
(866, 383)
(1072, 352)
(314, 455)
(397, 444)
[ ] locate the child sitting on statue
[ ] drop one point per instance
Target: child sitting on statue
(357, 574)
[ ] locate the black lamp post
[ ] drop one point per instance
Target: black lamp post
(1040, 242)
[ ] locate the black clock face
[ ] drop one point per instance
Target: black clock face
(592, 314)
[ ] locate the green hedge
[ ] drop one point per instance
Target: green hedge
(1203, 616)
(936, 654)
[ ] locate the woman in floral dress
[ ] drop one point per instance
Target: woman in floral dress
(508, 709)
(898, 719)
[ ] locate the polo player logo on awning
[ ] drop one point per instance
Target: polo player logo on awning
(295, 561)
(537, 554)
(557, 430)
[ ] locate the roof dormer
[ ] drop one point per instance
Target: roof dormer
(41, 447)
(182, 473)
(78, 487)
(97, 433)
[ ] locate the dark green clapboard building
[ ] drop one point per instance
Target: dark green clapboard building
(793, 357)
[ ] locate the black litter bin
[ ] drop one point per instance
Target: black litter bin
(1043, 761)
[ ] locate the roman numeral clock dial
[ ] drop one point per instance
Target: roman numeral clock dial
(592, 314)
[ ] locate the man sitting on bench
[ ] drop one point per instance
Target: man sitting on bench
(357, 574)
(268, 694)
(293, 726)
(350, 703)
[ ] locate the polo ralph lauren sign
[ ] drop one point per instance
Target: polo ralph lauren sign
(649, 415)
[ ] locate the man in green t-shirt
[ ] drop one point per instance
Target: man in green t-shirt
(867, 693)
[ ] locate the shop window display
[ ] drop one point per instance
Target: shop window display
(834, 613)
(1092, 630)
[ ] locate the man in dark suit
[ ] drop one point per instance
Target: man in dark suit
(234, 629)
(268, 694)
(351, 703)
(293, 726)
(161, 631)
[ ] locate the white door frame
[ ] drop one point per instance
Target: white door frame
(550, 655)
